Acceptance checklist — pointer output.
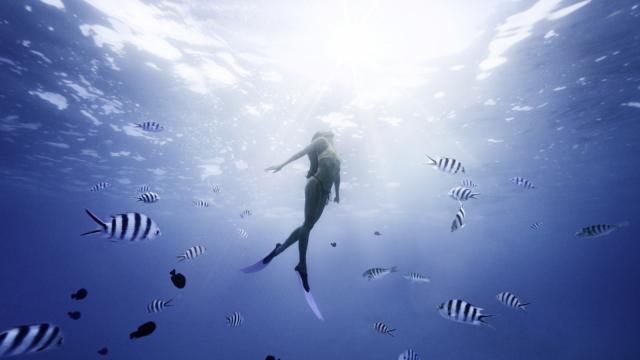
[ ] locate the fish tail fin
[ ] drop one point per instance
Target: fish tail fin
(168, 302)
(390, 332)
(523, 307)
(624, 223)
(102, 224)
(172, 272)
(482, 318)
(91, 232)
(432, 161)
(181, 258)
(73, 296)
(474, 195)
(394, 269)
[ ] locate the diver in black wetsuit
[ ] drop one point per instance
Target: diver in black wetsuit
(324, 173)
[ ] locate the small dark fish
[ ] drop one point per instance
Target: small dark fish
(145, 329)
(75, 315)
(178, 279)
(80, 294)
(104, 351)
(333, 244)
(271, 357)
(377, 233)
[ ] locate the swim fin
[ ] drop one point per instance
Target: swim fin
(312, 304)
(262, 263)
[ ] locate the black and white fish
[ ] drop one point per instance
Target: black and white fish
(80, 294)
(462, 312)
(201, 203)
(448, 165)
(525, 183)
(158, 305)
(600, 229)
(126, 227)
(408, 355)
(508, 299)
(100, 186)
(245, 213)
(143, 188)
(377, 273)
(383, 328)
(468, 183)
(234, 319)
(192, 253)
(415, 277)
(150, 126)
(148, 197)
(458, 221)
(30, 338)
(462, 193)
(536, 225)
(145, 329)
(242, 233)
(215, 188)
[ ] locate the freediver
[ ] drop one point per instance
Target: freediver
(324, 173)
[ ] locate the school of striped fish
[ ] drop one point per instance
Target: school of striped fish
(132, 227)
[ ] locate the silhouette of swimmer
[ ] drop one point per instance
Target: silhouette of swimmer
(324, 173)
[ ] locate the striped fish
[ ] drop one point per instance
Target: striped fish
(382, 328)
(599, 229)
(100, 186)
(234, 319)
(129, 227)
(458, 221)
(462, 312)
(415, 277)
(508, 299)
(148, 197)
(201, 203)
(462, 193)
(408, 355)
(522, 182)
(215, 188)
(468, 183)
(536, 225)
(143, 188)
(192, 253)
(242, 233)
(158, 305)
(245, 213)
(377, 273)
(30, 338)
(150, 126)
(448, 165)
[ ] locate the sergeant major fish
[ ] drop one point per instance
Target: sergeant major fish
(377, 273)
(192, 253)
(126, 227)
(600, 229)
(234, 319)
(158, 305)
(448, 165)
(508, 299)
(462, 312)
(150, 126)
(458, 221)
(462, 193)
(415, 277)
(383, 328)
(30, 338)
(100, 186)
(523, 182)
(408, 355)
(148, 197)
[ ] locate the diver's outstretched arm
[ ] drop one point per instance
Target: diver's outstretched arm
(318, 145)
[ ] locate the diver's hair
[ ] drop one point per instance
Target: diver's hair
(313, 157)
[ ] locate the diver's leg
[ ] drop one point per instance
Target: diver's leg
(314, 205)
(282, 247)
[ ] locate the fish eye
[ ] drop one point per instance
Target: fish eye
(157, 232)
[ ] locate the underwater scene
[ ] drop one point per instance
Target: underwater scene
(307, 179)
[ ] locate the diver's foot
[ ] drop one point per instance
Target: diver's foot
(271, 255)
(302, 271)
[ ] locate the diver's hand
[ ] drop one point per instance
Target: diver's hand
(274, 169)
(336, 199)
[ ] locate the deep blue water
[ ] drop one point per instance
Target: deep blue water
(240, 86)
